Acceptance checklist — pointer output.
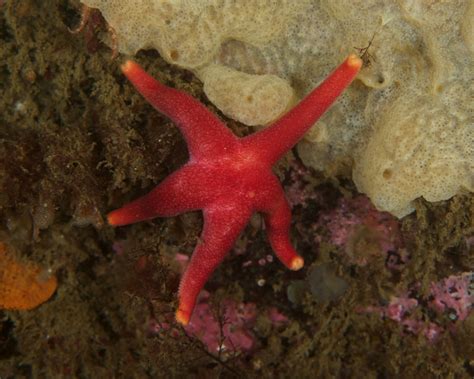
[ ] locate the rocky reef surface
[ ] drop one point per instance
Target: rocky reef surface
(405, 130)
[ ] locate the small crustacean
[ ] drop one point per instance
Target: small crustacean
(364, 54)
(23, 286)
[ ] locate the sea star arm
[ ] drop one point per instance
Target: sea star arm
(222, 226)
(169, 198)
(277, 223)
(205, 134)
(282, 135)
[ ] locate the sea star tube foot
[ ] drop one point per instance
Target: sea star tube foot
(226, 177)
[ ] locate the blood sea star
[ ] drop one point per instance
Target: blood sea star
(227, 177)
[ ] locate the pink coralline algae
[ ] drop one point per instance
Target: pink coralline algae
(228, 332)
(400, 310)
(355, 219)
(351, 213)
(452, 297)
(276, 317)
(227, 327)
(298, 192)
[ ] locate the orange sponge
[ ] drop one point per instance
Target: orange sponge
(23, 286)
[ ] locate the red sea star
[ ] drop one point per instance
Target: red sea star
(228, 178)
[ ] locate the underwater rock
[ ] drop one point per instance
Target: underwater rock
(406, 128)
(324, 284)
(295, 291)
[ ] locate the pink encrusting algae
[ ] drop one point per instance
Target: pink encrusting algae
(298, 192)
(228, 331)
(452, 297)
(224, 328)
(356, 218)
(351, 213)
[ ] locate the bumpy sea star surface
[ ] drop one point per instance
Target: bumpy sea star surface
(227, 177)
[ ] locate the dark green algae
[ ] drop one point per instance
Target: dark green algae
(76, 141)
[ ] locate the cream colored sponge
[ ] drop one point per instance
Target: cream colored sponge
(241, 96)
(189, 33)
(418, 148)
